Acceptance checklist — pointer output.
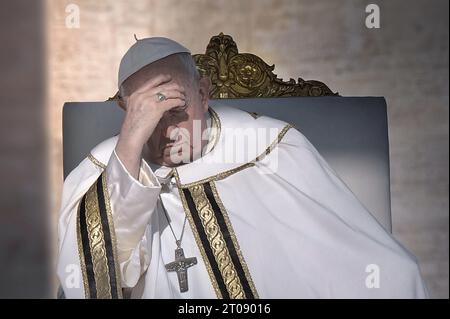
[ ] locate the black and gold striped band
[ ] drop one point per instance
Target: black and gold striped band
(217, 241)
(97, 244)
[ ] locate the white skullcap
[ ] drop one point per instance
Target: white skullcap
(146, 51)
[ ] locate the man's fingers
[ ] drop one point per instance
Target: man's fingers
(170, 94)
(154, 82)
(173, 95)
(163, 88)
(172, 103)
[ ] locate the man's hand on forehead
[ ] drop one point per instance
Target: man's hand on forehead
(162, 84)
(143, 113)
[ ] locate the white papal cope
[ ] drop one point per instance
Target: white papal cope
(280, 224)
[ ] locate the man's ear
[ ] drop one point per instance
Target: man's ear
(204, 88)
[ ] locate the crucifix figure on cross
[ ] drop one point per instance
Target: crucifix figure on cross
(180, 266)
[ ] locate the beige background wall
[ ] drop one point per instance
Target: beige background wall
(406, 60)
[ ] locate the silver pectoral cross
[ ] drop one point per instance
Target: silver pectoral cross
(180, 265)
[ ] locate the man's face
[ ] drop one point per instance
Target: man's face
(172, 142)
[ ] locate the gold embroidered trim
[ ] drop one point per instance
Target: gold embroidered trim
(232, 171)
(219, 176)
(274, 143)
(234, 239)
(96, 161)
(112, 234)
(97, 244)
(216, 124)
(217, 243)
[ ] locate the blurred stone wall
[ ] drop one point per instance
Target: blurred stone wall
(406, 60)
(24, 215)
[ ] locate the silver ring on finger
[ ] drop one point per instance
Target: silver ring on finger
(161, 97)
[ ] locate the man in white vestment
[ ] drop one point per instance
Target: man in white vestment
(194, 201)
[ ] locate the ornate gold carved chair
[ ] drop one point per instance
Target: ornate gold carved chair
(350, 132)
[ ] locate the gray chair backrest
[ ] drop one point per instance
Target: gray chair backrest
(351, 133)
